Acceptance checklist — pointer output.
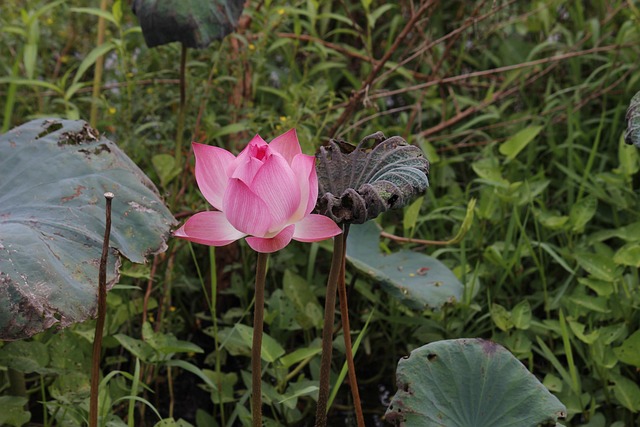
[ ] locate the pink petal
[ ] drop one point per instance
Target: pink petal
(246, 169)
(314, 228)
(304, 167)
(275, 243)
(245, 210)
(279, 188)
(209, 228)
(211, 172)
(287, 145)
(250, 160)
(249, 152)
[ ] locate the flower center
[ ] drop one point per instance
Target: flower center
(260, 153)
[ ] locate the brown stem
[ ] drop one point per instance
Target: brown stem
(147, 294)
(357, 96)
(498, 70)
(496, 97)
(327, 330)
(401, 239)
(258, 321)
(346, 330)
(102, 309)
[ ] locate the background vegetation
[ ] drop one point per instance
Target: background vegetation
(520, 105)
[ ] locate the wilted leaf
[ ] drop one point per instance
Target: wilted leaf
(469, 382)
(53, 176)
(417, 280)
(194, 23)
(358, 183)
(632, 135)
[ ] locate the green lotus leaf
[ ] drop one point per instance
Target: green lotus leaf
(53, 176)
(194, 23)
(417, 280)
(469, 383)
(358, 183)
(632, 135)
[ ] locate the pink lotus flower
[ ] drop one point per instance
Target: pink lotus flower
(266, 193)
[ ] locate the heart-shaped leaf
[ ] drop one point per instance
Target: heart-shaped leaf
(417, 280)
(469, 383)
(632, 135)
(194, 23)
(358, 183)
(53, 175)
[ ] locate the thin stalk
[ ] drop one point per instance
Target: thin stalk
(102, 311)
(181, 107)
(214, 317)
(258, 321)
(172, 398)
(327, 330)
(97, 74)
(135, 384)
(43, 396)
(10, 98)
(346, 332)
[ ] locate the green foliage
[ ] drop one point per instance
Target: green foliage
(13, 412)
(519, 105)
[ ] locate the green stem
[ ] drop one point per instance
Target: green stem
(327, 330)
(17, 384)
(214, 317)
(97, 73)
(258, 321)
(181, 107)
(10, 99)
(346, 330)
(102, 309)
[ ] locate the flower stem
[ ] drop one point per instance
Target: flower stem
(102, 309)
(327, 330)
(346, 330)
(258, 320)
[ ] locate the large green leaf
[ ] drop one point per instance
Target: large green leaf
(469, 382)
(194, 23)
(358, 183)
(418, 280)
(53, 176)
